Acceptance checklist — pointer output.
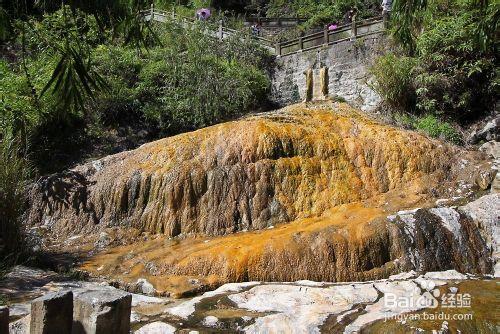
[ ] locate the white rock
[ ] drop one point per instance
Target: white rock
(445, 275)
(382, 309)
(134, 317)
(299, 309)
(210, 321)
(187, 308)
(450, 219)
(157, 327)
(145, 287)
(403, 276)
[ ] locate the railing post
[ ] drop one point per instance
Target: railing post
(301, 43)
(385, 19)
(278, 49)
(325, 35)
(152, 12)
(354, 29)
(221, 32)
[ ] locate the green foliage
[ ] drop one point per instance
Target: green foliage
(72, 80)
(407, 15)
(430, 125)
(455, 77)
(451, 67)
(436, 128)
(394, 80)
(183, 80)
(52, 31)
(194, 82)
(321, 12)
(14, 173)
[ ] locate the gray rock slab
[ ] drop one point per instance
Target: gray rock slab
(52, 313)
(4, 319)
(102, 312)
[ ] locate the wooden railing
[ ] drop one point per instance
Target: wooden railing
(308, 42)
(329, 37)
(275, 22)
(220, 31)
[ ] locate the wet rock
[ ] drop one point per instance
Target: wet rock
(52, 313)
(442, 238)
(102, 312)
(4, 319)
(156, 328)
(187, 308)
(103, 241)
(19, 310)
(22, 280)
(491, 148)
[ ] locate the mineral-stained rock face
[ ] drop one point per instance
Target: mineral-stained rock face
(326, 176)
(247, 174)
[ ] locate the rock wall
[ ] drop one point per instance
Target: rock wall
(347, 64)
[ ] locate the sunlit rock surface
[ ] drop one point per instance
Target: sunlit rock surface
(299, 307)
(316, 192)
(247, 174)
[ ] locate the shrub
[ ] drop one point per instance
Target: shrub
(394, 80)
(14, 173)
(436, 128)
(454, 78)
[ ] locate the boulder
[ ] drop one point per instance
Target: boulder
(102, 312)
(4, 319)
(491, 148)
(52, 313)
(143, 286)
(488, 131)
(485, 178)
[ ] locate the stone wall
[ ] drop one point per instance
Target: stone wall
(347, 64)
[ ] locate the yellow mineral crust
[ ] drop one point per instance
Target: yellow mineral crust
(300, 193)
(249, 174)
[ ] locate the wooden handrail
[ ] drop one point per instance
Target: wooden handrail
(324, 35)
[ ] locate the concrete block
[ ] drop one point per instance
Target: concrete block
(52, 313)
(4, 319)
(102, 312)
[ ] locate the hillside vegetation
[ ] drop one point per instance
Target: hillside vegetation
(90, 79)
(447, 68)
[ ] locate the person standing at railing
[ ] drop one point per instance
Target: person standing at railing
(332, 26)
(350, 15)
(256, 28)
(203, 14)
